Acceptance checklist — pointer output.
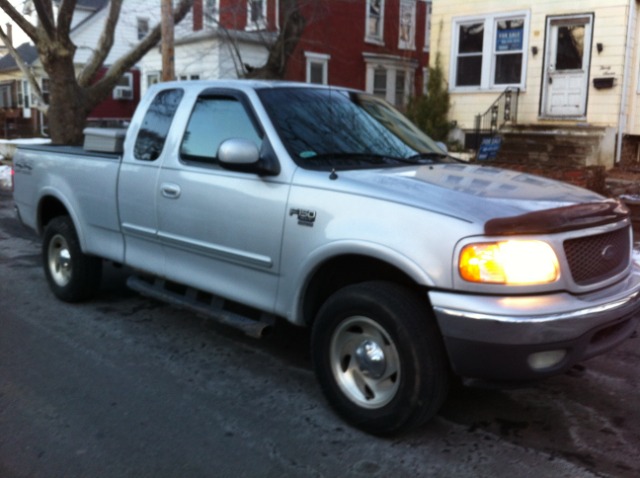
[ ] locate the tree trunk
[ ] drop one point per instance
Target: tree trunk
(71, 99)
(67, 117)
(68, 108)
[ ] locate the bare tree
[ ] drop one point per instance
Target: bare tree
(73, 96)
(280, 45)
(280, 52)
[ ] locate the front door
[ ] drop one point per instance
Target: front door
(566, 69)
(221, 230)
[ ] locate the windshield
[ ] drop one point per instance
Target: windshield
(336, 129)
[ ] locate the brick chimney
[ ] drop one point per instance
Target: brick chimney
(9, 32)
(197, 15)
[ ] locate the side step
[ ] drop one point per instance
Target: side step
(203, 304)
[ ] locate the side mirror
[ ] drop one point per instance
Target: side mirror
(242, 155)
(237, 152)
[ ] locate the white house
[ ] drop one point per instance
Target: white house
(570, 71)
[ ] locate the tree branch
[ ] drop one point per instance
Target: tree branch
(103, 48)
(20, 20)
(26, 71)
(44, 8)
(281, 50)
(108, 81)
(65, 16)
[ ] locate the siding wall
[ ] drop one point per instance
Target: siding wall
(87, 34)
(209, 58)
(610, 20)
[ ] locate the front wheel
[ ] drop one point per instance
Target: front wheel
(72, 275)
(379, 357)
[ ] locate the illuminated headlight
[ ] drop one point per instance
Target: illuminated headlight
(515, 262)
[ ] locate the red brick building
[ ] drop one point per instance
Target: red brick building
(381, 46)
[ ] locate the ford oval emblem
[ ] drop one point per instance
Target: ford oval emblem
(608, 252)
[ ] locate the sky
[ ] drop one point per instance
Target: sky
(18, 35)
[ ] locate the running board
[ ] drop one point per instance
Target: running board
(203, 304)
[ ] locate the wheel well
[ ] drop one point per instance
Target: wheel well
(345, 270)
(50, 207)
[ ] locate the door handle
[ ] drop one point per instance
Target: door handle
(170, 190)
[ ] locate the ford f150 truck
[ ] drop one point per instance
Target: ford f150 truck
(253, 201)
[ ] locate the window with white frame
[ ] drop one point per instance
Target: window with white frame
(380, 82)
(390, 78)
(187, 77)
(25, 98)
(489, 52)
(25, 95)
(407, 27)
(124, 87)
(256, 14)
(374, 21)
(153, 77)
(6, 96)
(45, 88)
(317, 68)
(143, 28)
(427, 27)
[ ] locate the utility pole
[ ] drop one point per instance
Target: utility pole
(168, 50)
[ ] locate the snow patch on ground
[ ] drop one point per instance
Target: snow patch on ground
(5, 178)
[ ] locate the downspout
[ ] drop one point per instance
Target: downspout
(622, 120)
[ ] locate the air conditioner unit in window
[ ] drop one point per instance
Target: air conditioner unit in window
(122, 94)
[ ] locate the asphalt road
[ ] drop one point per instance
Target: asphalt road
(124, 386)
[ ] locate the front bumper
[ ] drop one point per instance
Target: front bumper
(528, 337)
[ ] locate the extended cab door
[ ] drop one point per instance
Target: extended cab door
(221, 229)
(137, 183)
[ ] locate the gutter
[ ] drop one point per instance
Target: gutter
(622, 119)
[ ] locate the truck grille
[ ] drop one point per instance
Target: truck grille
(596, 258)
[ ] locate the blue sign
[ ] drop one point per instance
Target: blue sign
(509, 40)
(489, 148)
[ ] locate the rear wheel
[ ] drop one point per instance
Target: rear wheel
(72, 275)
(379, 357)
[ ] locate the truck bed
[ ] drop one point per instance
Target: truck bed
(70, 151)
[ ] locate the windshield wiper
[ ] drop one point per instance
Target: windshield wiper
(342, 160)
(349, 158)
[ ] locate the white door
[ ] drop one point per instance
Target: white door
(567, 60)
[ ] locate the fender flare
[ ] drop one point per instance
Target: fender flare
(316, 258)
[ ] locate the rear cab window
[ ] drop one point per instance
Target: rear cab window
(155, 125)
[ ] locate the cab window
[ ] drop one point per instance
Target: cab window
(215, 119)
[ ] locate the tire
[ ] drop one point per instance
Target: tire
(379, 358)
(72, 275)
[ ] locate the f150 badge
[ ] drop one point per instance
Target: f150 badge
(22, 166)
(305, 217)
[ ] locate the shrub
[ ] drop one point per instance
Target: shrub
(430, 111)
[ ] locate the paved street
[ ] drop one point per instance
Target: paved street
(124, 386)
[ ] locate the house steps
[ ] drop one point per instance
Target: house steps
(555, 146)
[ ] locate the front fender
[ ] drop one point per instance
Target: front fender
(292, 292)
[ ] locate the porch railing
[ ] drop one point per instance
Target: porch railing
(503, 111)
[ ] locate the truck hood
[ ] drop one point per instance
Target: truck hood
(472, 193)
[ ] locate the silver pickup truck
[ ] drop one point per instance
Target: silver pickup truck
(253, 201)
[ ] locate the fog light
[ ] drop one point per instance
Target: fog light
(547, 359)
